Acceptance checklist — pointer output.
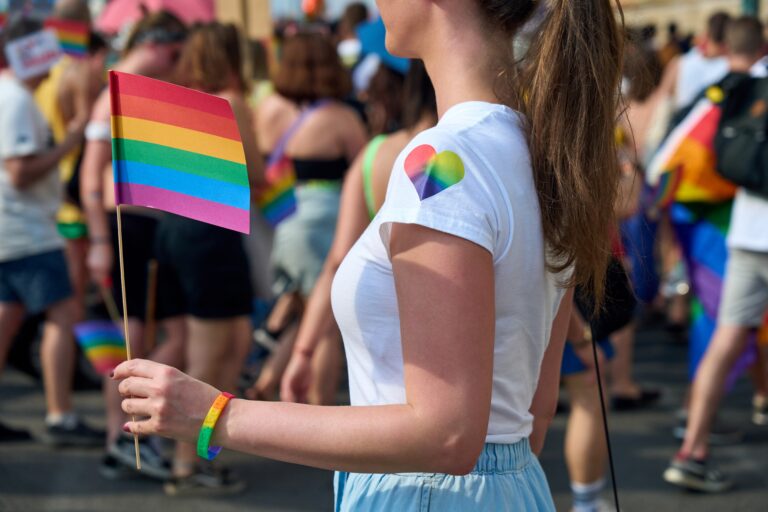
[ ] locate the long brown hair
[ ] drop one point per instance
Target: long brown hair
(211, 58)
(567, 85)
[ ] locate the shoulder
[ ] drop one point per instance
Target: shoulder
(339, 114)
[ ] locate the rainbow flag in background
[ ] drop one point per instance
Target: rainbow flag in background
(103, 344)
(178, 150)
(73, 36)
(684, 167)
(277, 199)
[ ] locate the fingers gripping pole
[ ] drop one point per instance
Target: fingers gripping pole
(125, 318)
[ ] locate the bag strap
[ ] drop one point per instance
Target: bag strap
(368, 160)
(279, 151)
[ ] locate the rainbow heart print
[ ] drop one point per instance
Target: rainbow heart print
(432, 172)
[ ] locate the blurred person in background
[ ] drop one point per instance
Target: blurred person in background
(324, 136)
(33, 269)
(348, 45)
(204, 275)
(742, 307)
(686, 76)
(313, 371)
(70, 91)
(152, 49)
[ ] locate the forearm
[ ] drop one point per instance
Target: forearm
(27, 171)
(377, 439)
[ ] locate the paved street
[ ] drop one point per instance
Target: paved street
(34, 478)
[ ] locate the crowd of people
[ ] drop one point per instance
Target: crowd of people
(342, 112)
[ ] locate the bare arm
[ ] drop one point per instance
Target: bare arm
(25, 171)
(355, 135)
(545, 400)
(317, 320)
(448, 365)
(96, 157)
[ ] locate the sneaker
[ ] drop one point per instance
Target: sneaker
(760, 411)
(695, 476)
(13, 435)
(720, 434)
(206, 480)
(153, 464)
(112, 469)
(78, 433)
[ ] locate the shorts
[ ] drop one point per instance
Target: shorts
(302, 241)
(36, 282)
(138, 251)
(507, 477)
(203, 270)
(745, 289)
(573, 365)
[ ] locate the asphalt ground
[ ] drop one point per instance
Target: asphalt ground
(35, 478)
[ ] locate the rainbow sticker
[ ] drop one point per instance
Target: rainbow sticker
(432, 172)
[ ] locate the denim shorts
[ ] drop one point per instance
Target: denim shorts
(507, 477)
(36, 282)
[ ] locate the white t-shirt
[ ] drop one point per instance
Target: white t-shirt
(493, 205)
(749, 218)
(749, 222)
(697, 72)
(27, 217)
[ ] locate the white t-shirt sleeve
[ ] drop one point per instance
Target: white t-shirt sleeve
(438, 184)
(19, 135)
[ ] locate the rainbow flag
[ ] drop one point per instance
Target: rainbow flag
(277, 199)
(73, 36)
(103, 344)
(178, 150)
(684, 167)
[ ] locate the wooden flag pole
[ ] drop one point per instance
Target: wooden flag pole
(125, 318)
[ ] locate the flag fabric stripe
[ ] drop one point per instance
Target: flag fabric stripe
(178, 150)
(78, 38)
(181, 138)
(73, 49)
(107, 351)
(161, 91)
(70, 26)
(280, 208)
(167, 113)
(182, 161)
(188, 206)
(183, 183)
(73, 36)
(103, 337)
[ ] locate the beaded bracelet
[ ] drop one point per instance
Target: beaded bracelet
(206, 431)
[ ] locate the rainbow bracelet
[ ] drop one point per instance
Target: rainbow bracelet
(206, 431)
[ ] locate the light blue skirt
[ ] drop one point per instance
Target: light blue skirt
(506, 478)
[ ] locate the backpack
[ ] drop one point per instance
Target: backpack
(741, 142)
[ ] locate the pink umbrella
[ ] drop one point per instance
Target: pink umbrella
(118, 13)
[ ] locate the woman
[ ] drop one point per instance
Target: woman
(446, 314)
(203, 269)
(306, 121)
(312, 373)
(151, 49)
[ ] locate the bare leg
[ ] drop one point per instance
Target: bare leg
(241, 344)
(727, 344)
(586, 453)
(172, 350)
(58, 356)
(76, 252)
(208, 350)
(622, 382)
(287, 307)
(326, 370)
(268, 383)
(11, 318)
